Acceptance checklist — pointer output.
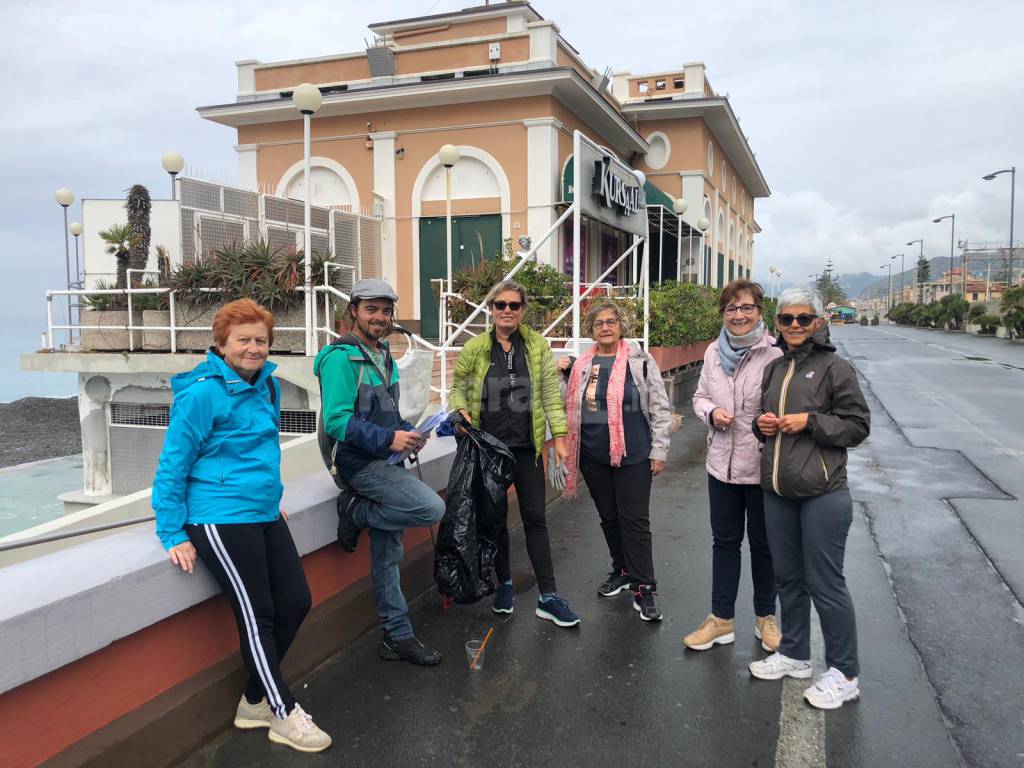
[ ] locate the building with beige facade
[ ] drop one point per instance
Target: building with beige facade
(503, 85)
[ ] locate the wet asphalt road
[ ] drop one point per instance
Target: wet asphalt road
(931, 563)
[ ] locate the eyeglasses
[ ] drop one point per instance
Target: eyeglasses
(515, 306)
(610, 323)
(746, 309)
(803, 319)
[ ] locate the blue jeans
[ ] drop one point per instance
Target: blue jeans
(393, 500)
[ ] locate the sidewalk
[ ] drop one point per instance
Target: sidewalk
(616, 691)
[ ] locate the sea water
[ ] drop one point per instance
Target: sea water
(28, 492)
(22, 334)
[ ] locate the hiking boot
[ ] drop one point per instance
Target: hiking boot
(778, 666)
(504, 599)
(643, 601)
(714, 631)
(766, 629)
(832, 690)
(410, 649)
(348, 531)
(615, 583)
(557, 610)
(298, 731)
(253, 715)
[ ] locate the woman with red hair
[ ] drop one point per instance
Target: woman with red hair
(216, 496)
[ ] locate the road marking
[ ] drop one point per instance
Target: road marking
(801, 741)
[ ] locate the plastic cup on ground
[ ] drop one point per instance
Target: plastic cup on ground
(475, 655)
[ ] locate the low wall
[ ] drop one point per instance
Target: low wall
(106, 647)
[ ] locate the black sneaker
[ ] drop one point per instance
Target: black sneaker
(557, 610)
(643, 602)
(410, 649)
(504, 599)
(615, 583)
(348, 531)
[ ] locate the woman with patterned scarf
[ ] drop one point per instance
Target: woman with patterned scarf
(728, 397)
(618, 415)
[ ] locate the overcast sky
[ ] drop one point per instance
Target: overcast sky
(868, 118)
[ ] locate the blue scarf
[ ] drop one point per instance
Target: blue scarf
(731, 349)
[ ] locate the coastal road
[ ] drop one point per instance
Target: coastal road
(942, 484)
(930, 563)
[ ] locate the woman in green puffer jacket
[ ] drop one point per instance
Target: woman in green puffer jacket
(505, 383)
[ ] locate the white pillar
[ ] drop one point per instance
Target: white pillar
(248, 166)
(384, 187)
(543, 180)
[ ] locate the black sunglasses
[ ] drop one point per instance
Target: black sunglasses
(515, 306)
(803, 319)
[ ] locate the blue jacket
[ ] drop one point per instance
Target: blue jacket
(359, 411)
(221, 461)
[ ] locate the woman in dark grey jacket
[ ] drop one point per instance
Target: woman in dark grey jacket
(812, 411)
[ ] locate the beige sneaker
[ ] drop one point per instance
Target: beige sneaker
(766, 629)
(253, 715)
(713, 631)
(298, 731)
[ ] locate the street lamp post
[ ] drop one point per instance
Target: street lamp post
(920, 288)
(902, 270)
(172, 163)
(888, 297)
(952, 231)
(702, 224)
(307, 100)
(771, 282)
(76, 229)
(679, 205)
(1012, 170)
(65, 197)
(449, 156)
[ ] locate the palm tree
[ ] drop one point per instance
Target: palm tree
(138, 206)
(120, 238)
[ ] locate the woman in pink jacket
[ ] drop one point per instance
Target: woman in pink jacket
(727, 399)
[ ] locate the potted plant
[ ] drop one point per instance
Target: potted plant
(684, 321)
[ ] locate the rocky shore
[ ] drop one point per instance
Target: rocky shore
(35, 428)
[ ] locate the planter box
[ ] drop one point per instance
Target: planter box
(669, 358)
(200, 340)
(107, 339)
(1002, 332)
(972, 329)
(116, 339)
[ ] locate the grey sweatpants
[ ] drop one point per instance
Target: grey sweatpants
(807, 539)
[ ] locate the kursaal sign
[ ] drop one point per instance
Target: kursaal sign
(614, 191)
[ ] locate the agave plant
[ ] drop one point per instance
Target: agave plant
(138, 206)
(120, 239)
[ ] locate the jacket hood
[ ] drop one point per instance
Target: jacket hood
(350, 348)
(819, 340)
(215, 367)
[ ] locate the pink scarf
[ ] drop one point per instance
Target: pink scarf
(615, 395)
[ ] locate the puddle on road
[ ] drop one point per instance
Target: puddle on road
(979, 359)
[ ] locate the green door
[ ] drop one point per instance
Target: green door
(473, 238)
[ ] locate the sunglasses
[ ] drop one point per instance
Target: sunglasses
(515, 306)
(803, 319)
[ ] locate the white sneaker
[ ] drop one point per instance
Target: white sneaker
(778, 666)
(832, 690)
(253, 715)
(298, 731)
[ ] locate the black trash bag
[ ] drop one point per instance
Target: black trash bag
(475, 515)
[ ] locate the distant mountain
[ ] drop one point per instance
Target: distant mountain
(852, 285)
